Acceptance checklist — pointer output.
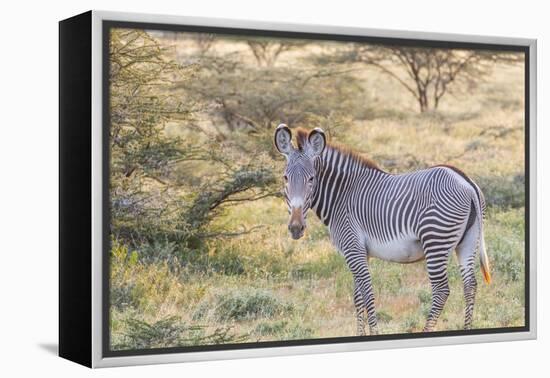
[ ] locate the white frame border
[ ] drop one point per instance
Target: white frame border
(97, 81)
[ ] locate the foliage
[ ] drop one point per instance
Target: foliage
(242, 304)
(256, 99)
(139, 110)
(170, 332)
(140, 152)
(283, 329)
(426, 73)
(207, 204)
(200, 252)
(148, 199)
(266, 51)
(505, 191)
(506, 244)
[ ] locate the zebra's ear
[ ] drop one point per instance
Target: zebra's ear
(283, 139)
(317, 142)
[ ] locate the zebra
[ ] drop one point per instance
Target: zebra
(403, 218)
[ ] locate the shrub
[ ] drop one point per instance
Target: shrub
(228, 262)
(505, 244)
(506, 262)
(159, 251)
(243, 304)
(503, 191)
(298, 332)
(169, 332)
(412, 323)
(283, 330)
(122, 262)
(274, 328)
(138, 284)
(383, 316)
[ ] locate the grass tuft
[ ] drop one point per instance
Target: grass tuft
(242, 304)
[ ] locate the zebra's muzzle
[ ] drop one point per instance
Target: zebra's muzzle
(297, 224)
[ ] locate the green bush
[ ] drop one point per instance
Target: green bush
(242, 304)
(298, 332)
(507, 262)
(274, 328)
(504, 238)
(228, 262)
(383, 316)
(283, 330)
(412, 323)
(503, 191)
(122, 289)
(159, 251)
(170, 332)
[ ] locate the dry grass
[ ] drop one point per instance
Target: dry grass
(302, 289)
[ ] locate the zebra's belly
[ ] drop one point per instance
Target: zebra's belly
(406, 249)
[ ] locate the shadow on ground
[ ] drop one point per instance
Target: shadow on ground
(51, 348)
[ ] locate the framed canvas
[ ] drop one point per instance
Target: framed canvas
(236, 189)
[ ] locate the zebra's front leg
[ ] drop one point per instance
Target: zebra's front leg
(363, 293)
(359, 311)
(368, 296)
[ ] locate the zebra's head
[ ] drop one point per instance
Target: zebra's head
(299, 176)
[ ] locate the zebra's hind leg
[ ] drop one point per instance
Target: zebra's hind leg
(436, 260)
(440, 293)
(470, 287)
(466, 253)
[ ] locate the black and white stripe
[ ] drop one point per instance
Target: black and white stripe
(425, 214)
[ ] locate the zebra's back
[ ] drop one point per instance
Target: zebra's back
(393, 212)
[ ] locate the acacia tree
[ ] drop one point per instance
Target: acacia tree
(255, 99)
(266, 51)
(149, 198)
(203, 41)
(428, 73)
(139, 110)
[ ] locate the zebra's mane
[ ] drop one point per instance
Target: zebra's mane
(302, 136)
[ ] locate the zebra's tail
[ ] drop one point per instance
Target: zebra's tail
(483, 258)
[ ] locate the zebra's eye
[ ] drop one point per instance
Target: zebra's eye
(285, 177)
(310, 180)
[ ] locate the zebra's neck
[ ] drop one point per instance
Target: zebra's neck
(337, 171)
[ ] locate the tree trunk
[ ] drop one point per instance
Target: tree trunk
(423, 101)
(436, 101)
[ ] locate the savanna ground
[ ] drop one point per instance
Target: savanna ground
(200, 248)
